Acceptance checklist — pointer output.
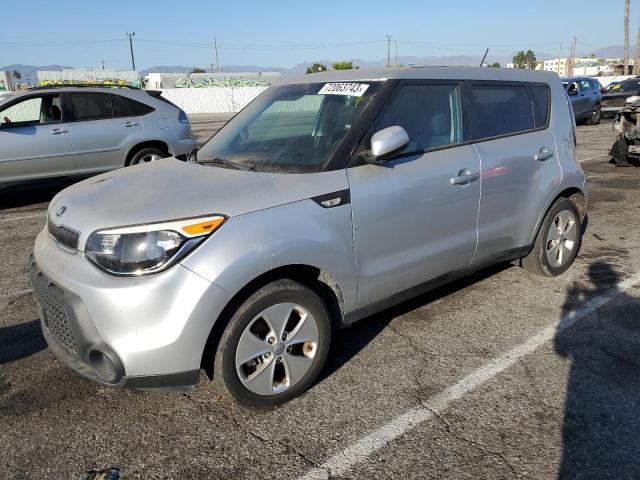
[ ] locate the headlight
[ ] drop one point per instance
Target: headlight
(633, 99)
(144, 249)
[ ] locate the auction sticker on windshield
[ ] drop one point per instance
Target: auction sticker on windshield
(351, 89)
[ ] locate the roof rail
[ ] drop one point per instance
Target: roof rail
(81, 85)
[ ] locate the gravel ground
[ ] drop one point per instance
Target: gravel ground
(568, 409)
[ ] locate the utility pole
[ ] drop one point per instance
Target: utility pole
(396, 44)
(484, 57)
(215, 47)
(626, 36)
(388, 49)
(133, 62)
(573, 57)
(636, 60)
(559, 54)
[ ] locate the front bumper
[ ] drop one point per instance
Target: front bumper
(146, 333)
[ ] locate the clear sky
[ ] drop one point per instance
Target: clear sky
(81, 33)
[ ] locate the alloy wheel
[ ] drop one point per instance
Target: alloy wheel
(561, 238)
(277, 349)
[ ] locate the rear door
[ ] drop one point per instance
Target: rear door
(520, 168)
(101, 139)
(34, 139)
(411, 222)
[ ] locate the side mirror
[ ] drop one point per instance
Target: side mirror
(386, 141)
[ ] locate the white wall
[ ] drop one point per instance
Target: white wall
(212, 100)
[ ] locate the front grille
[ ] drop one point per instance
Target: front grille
(614, 102)
(55, 317)
(63, 235)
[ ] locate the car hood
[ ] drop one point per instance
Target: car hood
(170, 189)
(606, 96)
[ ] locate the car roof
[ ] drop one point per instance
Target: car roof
(426, 73)
(74, 88)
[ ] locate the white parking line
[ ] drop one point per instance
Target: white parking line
(23, 217)
(15, 294)
(592, 158)
(359, 451)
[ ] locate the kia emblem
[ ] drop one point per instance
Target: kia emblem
(60, 211)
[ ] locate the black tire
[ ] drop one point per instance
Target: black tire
(596, 115)
(536, 261)
(225, 376)
(145, 153)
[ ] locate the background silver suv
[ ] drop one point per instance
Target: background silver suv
(328, 198)
(61, 131)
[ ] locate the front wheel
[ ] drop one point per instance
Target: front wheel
(274, 345)
(596, 115)
(558, 240)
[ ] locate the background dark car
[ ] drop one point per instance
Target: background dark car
(585, 96)
(614, 100)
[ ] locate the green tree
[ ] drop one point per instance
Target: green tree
(496, 65)
(198, 70)
(343, 65)
(16, 74)
(316, 67)
(526, 59)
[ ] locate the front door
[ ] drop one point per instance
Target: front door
(415, 217)
(34, 140)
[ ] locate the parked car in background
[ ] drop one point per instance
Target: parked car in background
(609, 87)
(616, 97)
(328, 198)
(50, 132)
(585, 96)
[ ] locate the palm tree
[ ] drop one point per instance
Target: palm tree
(626, 36)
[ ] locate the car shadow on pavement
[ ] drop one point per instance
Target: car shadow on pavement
(348, 342)
(25, 195)
(601, 429)
(20, 341)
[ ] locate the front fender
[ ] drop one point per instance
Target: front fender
(298, 233)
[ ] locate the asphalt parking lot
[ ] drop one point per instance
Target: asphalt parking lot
(500, 375)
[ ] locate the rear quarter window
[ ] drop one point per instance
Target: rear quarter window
(126, 107)
(541, 96)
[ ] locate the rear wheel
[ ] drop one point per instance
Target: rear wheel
(274, 345)
(146, 155)
(558, 240)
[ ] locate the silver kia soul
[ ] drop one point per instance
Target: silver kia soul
(330, 197)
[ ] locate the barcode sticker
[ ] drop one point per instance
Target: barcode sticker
(351, 89)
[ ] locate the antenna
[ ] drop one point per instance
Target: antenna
(484, 57)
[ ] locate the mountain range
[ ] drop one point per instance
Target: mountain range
(613, 51)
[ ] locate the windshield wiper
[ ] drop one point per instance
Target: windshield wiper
(224, 161)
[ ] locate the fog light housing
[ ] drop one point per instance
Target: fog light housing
(105, 367)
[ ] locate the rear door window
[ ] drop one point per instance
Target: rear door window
(126, 107)
(502, 110)
(91, 106)
(430, 114)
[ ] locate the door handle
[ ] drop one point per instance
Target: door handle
(58, 131)
(130, 124)
(543, 154)
(464, 176)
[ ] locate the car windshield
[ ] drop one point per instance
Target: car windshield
(290, 128)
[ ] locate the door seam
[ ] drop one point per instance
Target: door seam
(475, 251)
